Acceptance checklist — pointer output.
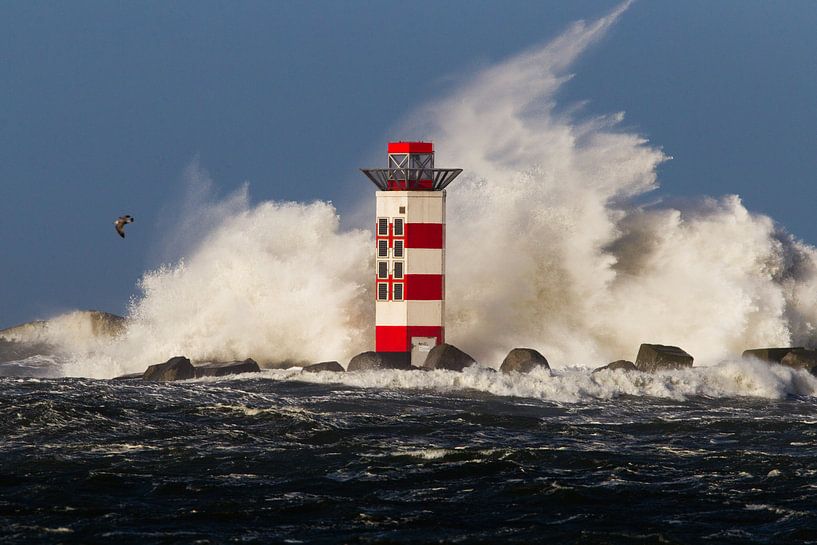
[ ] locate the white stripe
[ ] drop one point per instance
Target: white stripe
(408, 313)
(421, 206)
(424, 261)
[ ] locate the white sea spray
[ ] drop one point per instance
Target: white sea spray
(549, 246)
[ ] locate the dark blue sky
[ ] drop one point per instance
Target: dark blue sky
(104, 104)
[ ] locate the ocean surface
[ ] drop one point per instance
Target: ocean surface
(712, 455)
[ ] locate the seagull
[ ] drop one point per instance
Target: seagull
(120, 224)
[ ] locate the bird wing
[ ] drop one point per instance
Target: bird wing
(120, 228)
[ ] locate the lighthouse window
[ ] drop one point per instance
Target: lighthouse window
(398, 269)
(382, 291)
(398, 248)
(422, 160)
(382, 269)
(382, 248)
(398, 292)
(383, 226)
(398, 227)
(397, 160)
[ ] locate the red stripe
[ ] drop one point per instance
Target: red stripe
(411, 147)
(415, 185)
(424, 287)
(396, 338)
(424, 235)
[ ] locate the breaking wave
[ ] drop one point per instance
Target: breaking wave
(549, 246)
(727, 379)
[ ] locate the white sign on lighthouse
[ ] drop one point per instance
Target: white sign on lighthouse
(410, 250)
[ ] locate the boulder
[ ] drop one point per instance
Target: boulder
(623, 365)
(367, 361)
(774, 355)
(523, 360)
(332, 366)
(178, 368)
(448, 357)
(657, 357)
(801, 358)
(129, 376)
(223, 368)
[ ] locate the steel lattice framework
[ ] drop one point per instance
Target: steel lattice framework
(439, 177)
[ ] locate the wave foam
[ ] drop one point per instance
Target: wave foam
(573, 385)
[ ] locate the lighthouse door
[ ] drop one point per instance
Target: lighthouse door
(420, 347)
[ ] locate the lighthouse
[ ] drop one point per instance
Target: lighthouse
(409, 270)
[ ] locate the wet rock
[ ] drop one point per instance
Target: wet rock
(223, 368)
(448, 357)
(774, 355)
(523, 360)
(623, 365)
(657, 357)
(129, 376)
(332, 366)
(178, 368)
(367, 361)
(801, 358)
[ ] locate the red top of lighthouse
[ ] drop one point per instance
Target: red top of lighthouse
(411, 147)
(411, 168)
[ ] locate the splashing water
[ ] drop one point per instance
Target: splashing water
(548, 248)
(568, 262)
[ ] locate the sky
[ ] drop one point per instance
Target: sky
(105, 105)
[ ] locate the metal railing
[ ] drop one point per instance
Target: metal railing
(411, 177)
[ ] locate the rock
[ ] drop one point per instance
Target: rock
(85, 322)
(801, 358)
(332, 366)
(449, 357)
(623, 365)
(366, 361)
(178, 368)
(523, 360)
(129, 376)
(774, 355)
(223, 368)
(657, 357)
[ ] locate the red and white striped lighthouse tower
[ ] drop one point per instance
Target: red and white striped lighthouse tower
(410, 250)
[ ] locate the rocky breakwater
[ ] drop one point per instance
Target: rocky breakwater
(180, 368)
(796, 357)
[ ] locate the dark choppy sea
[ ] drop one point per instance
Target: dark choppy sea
(279, 460)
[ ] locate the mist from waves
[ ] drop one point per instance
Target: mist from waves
(569, 262)
(277, 281)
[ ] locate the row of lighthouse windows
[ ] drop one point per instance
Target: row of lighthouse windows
(383, 227)
(383, 248)
(383, 291)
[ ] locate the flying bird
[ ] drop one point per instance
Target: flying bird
(120, 224)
